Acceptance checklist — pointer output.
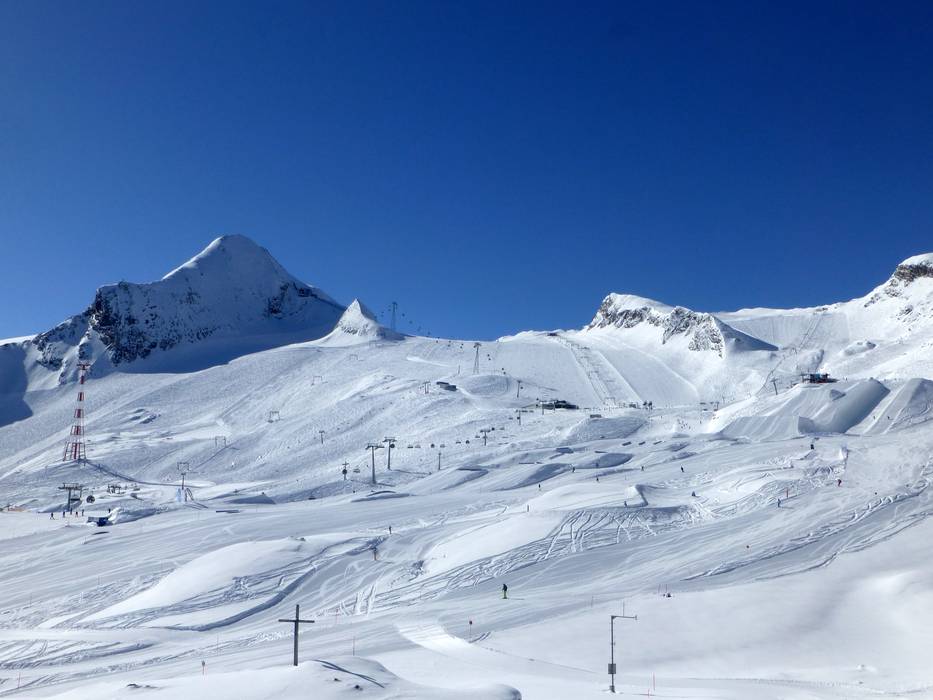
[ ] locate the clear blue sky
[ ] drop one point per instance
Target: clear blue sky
(491, 166)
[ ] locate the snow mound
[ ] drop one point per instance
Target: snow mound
(486, 386)
(768, 428)
(910, 405)
(331, 679)
(358, 325)
(613, 428)
(810, 409)
(214, 571)
(858, 347)
(847, 409)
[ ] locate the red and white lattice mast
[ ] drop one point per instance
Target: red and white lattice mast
(75, 447)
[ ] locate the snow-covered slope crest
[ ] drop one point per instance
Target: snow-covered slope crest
(358, 324)
(914, 275)
(703, 331)
(232, 288)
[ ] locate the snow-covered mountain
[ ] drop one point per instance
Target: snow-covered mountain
(759, 502)
(359, 325)
(232, 292)
(885, 333)
(699, 331)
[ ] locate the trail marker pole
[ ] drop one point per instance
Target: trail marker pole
(297, 621)
(322, 436)
(612, 646)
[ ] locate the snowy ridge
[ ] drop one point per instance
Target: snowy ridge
(703, 331)
(233, 288)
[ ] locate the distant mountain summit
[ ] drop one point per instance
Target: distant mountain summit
(232, 290)
(700, 331)
(357, 325)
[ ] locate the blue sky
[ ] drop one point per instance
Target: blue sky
(491, 166)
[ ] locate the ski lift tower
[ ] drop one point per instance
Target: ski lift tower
(72, 489)
(390, 445)
(183, 469)
(476, 346)
(75, 447)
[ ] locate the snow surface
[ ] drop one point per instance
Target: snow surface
(789, 522)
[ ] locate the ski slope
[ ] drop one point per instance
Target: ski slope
(790, 526)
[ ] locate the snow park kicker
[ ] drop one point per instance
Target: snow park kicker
(767, 524)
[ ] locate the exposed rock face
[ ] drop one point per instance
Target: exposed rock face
(702, 329)
(703, 332)
(907, 276)
(233, 288)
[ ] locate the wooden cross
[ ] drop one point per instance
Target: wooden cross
(297, 621)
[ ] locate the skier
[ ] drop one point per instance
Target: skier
(390, 529)
(52, 516)
(779, 503)
(838, 482)
(505, 591)
(681, 470)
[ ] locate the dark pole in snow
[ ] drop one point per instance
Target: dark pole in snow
(372, 447)
(390, 443)
(612, 647)
(297, 621)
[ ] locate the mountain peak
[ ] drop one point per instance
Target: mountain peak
(702, 331)
(359, 324)
(233, 289)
